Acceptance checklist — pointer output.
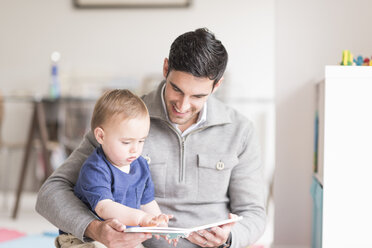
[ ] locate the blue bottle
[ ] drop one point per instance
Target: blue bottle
(54, 87)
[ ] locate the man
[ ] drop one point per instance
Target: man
(203, 157)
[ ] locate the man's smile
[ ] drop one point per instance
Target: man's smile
(177, 111)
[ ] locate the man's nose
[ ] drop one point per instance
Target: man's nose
(184, 104)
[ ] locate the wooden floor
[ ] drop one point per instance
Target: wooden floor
(28, 221)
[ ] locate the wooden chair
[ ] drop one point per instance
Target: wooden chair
(38, 128)
(1, 114)
(54, 122)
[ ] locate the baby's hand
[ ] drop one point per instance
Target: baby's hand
(163, 219)
(160, 220)
(151, 220)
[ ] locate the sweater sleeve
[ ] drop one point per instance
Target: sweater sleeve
(56, 200)
(246, 192)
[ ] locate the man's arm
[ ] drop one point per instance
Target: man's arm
(246, 191)
(56, 200)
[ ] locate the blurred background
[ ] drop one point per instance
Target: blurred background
(102, 48)
(277, 52)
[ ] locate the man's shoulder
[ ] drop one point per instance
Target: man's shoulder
(228, 112)
(154, 103)
(152, 95)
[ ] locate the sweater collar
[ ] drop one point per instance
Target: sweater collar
(217, 113)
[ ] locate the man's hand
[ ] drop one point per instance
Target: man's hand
(215, 237)
(111, 234)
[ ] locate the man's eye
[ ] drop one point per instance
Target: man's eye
(176, 89)
(125, 143)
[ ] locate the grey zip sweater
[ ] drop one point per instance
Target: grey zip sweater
(199, 178)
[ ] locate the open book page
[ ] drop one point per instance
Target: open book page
(175, 232)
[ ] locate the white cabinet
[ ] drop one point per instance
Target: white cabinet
(345, 156)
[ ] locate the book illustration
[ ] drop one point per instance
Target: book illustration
(175, 232)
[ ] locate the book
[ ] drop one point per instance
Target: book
(175, 232)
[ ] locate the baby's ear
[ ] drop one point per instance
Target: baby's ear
(99, 134)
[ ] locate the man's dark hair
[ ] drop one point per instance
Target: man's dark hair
(199, 53)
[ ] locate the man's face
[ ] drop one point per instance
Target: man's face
(185, 96)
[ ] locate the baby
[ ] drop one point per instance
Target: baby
(115, 181)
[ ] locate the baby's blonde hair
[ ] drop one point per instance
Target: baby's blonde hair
(117, 102)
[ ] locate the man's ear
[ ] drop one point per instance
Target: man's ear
(218, 84)
(165, 68)
(99, 134)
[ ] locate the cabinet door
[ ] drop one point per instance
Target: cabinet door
(347, 178)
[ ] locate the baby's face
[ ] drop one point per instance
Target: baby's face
(124, 139)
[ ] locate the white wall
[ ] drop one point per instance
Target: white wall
(130, 44)
(308, 36)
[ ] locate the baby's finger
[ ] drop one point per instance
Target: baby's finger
(163, 218)
(175, 242)
(164, 237)
(153, 222)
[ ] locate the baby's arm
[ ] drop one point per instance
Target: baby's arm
(153, 208)
(108, 209)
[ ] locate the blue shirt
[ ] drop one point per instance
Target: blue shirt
(99, 180)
